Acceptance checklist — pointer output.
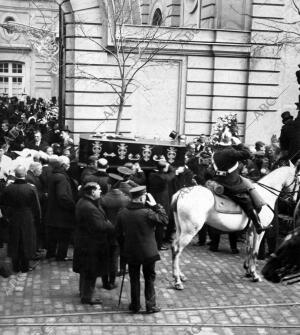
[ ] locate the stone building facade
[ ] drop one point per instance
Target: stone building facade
(217, 61)
(21, 71)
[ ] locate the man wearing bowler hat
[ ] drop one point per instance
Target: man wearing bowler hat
(91, 242)
(135, 230)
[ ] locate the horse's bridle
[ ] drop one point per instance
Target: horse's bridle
(273, 190)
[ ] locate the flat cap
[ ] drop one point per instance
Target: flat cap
(125, 171)
(115, 177)
(137, 191)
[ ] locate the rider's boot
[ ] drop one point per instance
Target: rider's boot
(256, 221)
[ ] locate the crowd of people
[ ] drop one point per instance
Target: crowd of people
(111, 217)
(49, 203)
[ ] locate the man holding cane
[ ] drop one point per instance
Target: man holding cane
(135, 229)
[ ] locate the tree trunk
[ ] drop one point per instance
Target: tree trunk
(121, 106)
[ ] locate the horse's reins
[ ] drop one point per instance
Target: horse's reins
(271, 189)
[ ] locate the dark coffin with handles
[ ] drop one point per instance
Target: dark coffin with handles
(121, 150)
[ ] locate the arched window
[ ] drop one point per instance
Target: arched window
(12, 78)
(157, 18)
(9, 19)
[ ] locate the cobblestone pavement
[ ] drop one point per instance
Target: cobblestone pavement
(217, 299)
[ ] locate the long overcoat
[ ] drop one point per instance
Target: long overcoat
(22, 206)
(112, 202)
(61, 200)
(91, 239)
(160, 186)
(136, 232)
(290, 139)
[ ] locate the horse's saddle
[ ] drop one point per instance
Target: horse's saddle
(224, 204)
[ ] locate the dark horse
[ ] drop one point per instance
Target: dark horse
(285, 261)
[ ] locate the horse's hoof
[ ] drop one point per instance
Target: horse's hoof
(256, 279)
(245, 266)
(183, 278)
(178, 286)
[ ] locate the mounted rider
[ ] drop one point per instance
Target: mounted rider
(226, 158)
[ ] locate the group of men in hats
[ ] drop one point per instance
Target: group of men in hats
(116, 220)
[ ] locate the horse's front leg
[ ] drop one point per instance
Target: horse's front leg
(247, 260)
(175, 266)
(252, 251)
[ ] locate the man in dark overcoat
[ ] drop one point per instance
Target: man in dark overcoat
(100, 176)
(91, 242)
(285, 138)
(161, 186)
(136, 234)
(33, 174)
(290, 138)
(112, 202)
(60, 213)
(22, 208)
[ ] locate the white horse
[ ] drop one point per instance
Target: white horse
(194, 206)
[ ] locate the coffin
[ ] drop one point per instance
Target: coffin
(119, 151)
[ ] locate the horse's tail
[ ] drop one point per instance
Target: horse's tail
(174, 211)
(174, 202)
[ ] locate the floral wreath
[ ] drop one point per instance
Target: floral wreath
(226, 121)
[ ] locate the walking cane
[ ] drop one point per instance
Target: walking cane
(122, 284)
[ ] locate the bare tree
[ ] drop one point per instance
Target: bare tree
(130, 49)
(281, 33)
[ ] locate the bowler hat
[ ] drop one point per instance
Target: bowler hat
(137, 191)
(286, 116)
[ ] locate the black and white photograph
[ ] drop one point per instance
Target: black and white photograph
(150, 167)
